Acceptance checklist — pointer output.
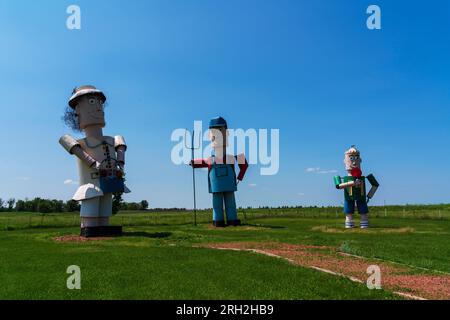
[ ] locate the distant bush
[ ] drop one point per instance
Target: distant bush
(45, 206)
(72, 206)
(134, 206)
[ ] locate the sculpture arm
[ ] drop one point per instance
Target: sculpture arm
(243, 166)
(374, 184)
(199, 163)
(121, 148)
(342, 185)
(73, 147)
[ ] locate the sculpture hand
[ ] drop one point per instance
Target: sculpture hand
(96, 165)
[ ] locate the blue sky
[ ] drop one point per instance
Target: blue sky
(309, 68)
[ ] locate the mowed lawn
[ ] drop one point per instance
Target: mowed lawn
(166, 262)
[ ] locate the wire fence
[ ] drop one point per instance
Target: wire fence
(14, 220)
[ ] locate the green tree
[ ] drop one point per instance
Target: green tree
(144, 205)
(11, 203)
(45, 206)
(72, 206)
(20, 206)
(57, 206)
(117, 203)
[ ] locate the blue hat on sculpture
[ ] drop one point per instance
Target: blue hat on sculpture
(218, 122)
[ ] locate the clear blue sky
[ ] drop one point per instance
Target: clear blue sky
(309, 68)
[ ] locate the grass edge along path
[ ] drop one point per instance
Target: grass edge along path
(400, 279)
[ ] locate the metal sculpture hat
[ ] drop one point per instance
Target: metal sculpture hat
(84, 90)
(352, 151)
(218, 122)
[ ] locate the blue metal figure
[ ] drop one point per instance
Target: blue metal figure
(222, 179)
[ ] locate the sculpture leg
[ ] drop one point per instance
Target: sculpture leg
(349, 210)
(89, 213)
(105, 210)
(218, 217)
(105, 214)
(230, 207)
(363, 210)
(95, 214)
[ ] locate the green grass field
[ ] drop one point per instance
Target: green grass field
(160, 257)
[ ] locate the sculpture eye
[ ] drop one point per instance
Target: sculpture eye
(92, 101)
(352, 158)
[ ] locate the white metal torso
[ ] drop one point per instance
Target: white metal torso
(99, 149)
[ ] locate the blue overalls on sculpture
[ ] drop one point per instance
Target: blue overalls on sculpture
(222, 179)
(222, 185)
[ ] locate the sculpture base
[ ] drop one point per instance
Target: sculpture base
(106, 231)
(230, 223)
(219, 224)
(234, 223)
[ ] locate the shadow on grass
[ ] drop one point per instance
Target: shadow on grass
(156, 235)
(262, 226)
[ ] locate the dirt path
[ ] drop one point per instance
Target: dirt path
(403, 280)
(79, 239)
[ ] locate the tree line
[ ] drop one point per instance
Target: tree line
(39, 205)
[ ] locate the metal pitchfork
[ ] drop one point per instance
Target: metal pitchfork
(193, 148)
